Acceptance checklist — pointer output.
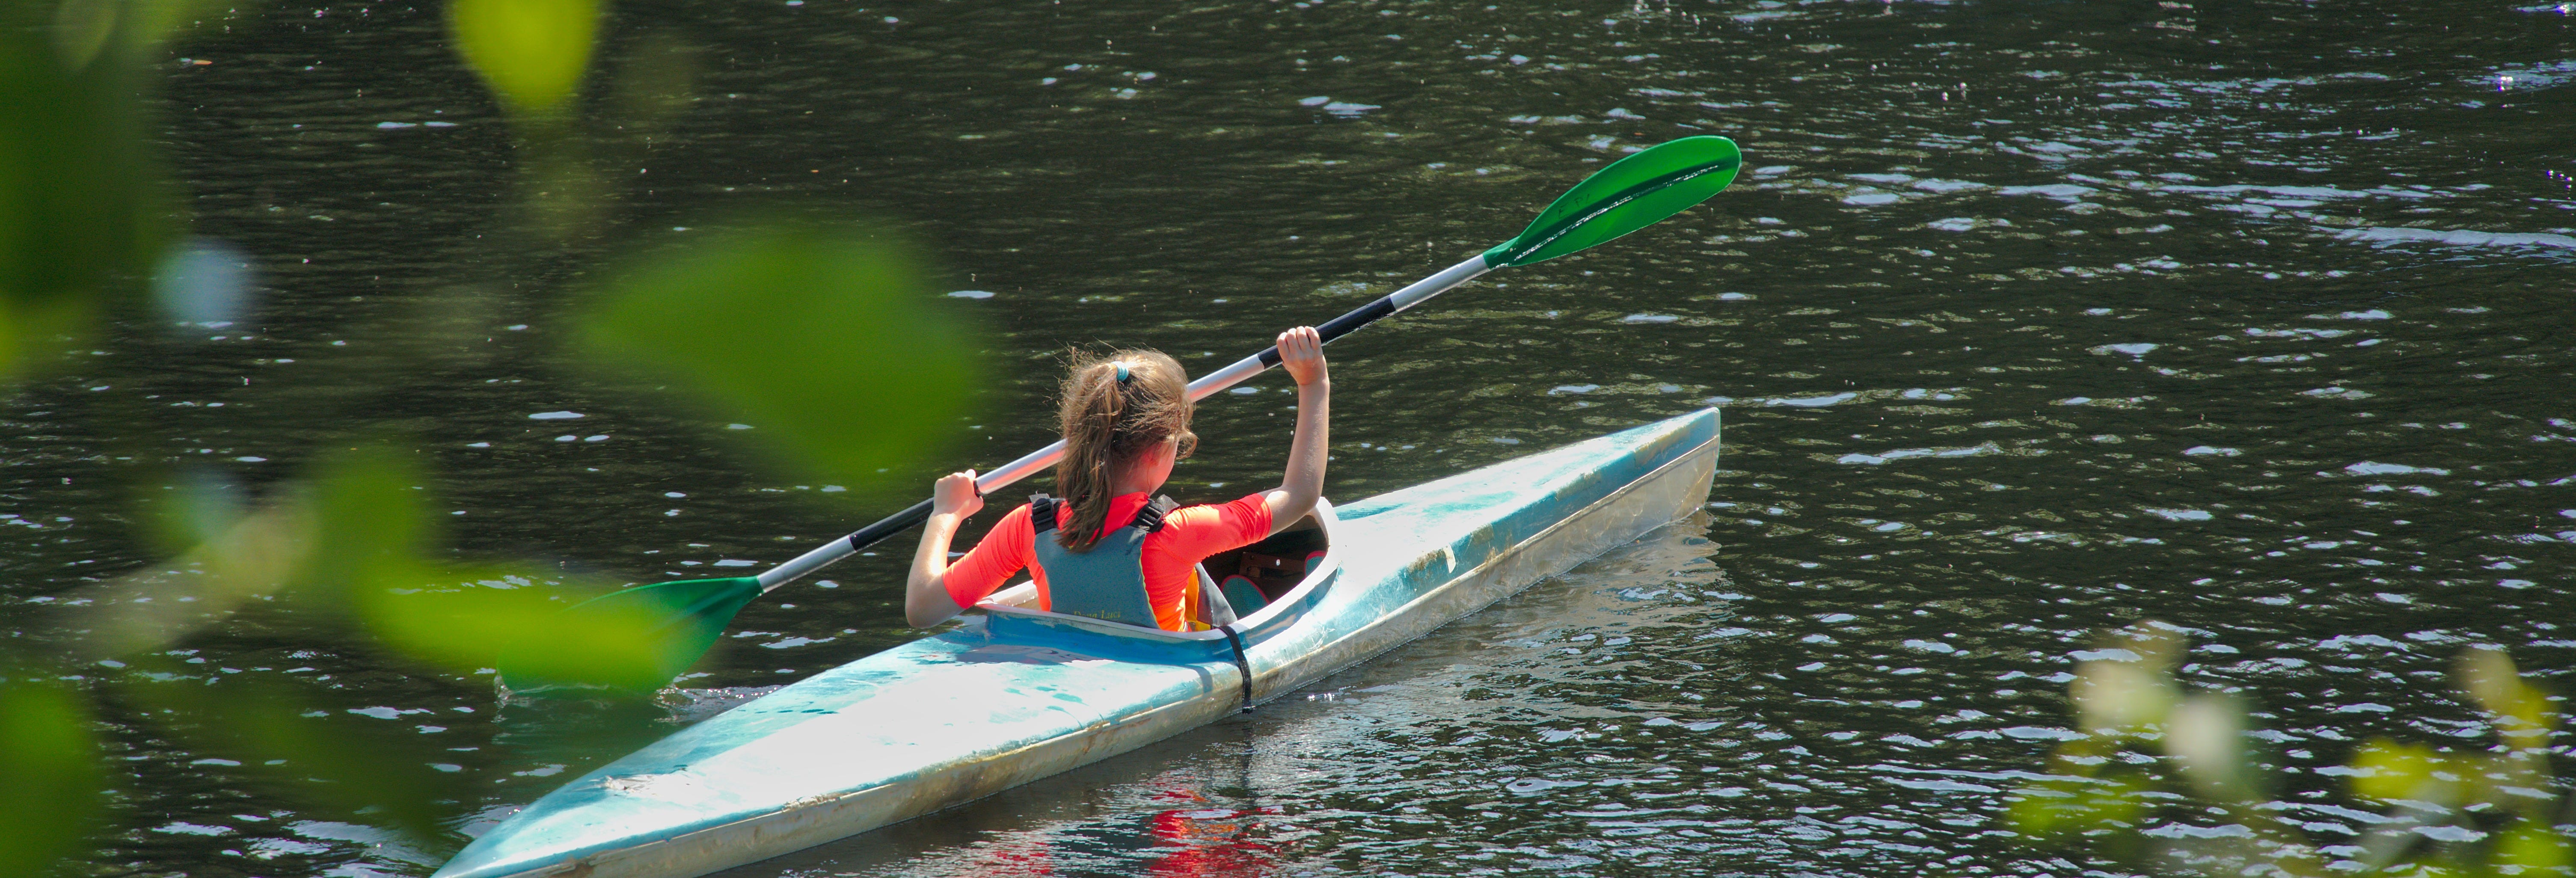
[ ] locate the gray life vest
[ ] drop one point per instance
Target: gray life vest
(1107, 582)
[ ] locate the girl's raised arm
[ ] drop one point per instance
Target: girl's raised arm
(1301, 352)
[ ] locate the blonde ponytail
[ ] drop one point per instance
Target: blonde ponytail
(1116, 408)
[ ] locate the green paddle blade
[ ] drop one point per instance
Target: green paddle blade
(630, 642)
(1631, 194)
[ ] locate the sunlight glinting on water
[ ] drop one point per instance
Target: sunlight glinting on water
(2029, 320)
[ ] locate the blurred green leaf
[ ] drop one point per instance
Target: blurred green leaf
(2533, 848)
(2126, 699)
(153, 22)
(2488, 677)
(2129, 691)
(370, 517)
(51, 791)
(255, 555)
(596, 645)
(374, 538)
(81, 206)
(81, 29)
(2120, 697)
(332, 763)
(359, 536)
(532, 52)
(2060, 809)
(2521, 713)
(833, 346)
(526, 629)
(2388, 771)
(85, 30)
(223, 551)
(451, 619)
(184, 507)
(2206, 734)
(359, 521)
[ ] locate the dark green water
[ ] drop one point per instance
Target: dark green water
(2030, 319)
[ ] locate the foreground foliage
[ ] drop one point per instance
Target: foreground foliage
(765, 323)
(2149, 752)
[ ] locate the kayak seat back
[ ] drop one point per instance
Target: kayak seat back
(1276, 564)
(1243, 594)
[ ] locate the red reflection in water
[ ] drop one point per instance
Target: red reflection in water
(1204, 842)
(1022, 860)
(1211, 841)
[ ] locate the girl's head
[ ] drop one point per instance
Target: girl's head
(1128, 412)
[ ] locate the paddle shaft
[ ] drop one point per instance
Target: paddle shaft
(1207, 385)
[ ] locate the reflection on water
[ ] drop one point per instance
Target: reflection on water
(2035, 319)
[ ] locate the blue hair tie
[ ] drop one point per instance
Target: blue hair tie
(1122, 372)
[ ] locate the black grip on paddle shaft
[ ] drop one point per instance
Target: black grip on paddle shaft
(889, 526)
(1341, 326)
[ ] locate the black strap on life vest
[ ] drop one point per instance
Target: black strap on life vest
(1151, 517)
(1042, 514)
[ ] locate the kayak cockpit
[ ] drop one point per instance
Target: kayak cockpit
(1288, 571)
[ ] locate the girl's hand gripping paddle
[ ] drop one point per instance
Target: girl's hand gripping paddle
(685, 618)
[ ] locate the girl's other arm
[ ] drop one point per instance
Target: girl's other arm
(925, 593)
(1301, 352)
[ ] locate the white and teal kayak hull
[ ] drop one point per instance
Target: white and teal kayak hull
(1015, 695)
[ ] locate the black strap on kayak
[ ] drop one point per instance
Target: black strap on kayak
(1242, 668)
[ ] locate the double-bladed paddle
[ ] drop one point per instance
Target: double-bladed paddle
(684, 618)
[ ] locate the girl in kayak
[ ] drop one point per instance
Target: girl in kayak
(1116, 550)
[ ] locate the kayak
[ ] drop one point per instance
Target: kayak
(1014, 694)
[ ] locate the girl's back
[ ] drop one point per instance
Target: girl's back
(1126, 421)
(1169, 557)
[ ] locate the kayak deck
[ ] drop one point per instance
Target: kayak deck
(1015, 694)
